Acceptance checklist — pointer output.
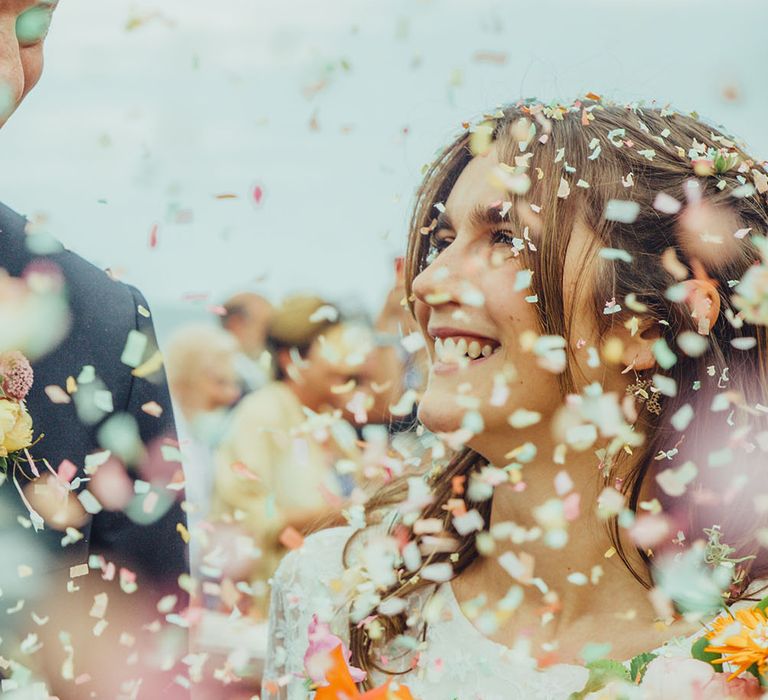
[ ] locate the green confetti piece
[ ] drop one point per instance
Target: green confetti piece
(523, 280)
(719, 458)
(87, 375)
(171, 453)
(133, 352)
(32, 25)
(594, 652)
(120, 435)
(7, 101)
(664, 356)
(102, 399)
(473, 422)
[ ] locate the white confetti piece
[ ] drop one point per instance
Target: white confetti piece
(89, 502)
(621, 210)
(439, 573)
(666, 204)
(615, 254)
(744, 343)
(674, 481)
(665, 385)
(682, 417)
(522, 418)
(412, 342)
(471, 521)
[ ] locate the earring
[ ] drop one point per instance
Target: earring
(644, 394)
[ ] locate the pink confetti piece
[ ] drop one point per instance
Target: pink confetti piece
(153, 236)
(257, 195)
(66, 471)
(57, 395)
(291, 538)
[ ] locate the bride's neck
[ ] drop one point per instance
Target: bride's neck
(568, 502)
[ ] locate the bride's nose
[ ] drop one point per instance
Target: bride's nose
(441, 281)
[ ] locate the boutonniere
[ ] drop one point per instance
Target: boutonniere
(330, 674)
(16, 436)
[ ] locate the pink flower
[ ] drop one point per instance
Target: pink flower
(317, 659)
(17, 375)
(669, 678)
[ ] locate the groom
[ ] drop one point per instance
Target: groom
(100, 401)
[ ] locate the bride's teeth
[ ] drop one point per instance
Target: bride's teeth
(461, 347)
(487, 350)
(474, 350)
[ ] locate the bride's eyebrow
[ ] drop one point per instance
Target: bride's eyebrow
(492, 215)
(479, 216)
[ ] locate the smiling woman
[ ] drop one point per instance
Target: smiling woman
(603, 390)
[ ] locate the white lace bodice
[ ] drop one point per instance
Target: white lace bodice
(458, 662)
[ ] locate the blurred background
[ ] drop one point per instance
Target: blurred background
(199, 148)
(222, 156)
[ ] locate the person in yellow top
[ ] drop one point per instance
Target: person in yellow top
(289, 457)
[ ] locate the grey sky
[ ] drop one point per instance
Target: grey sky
(134, 128)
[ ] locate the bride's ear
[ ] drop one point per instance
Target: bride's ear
(703, 302)
(638, 336)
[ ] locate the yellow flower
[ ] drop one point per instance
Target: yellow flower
(742, 640)
(15, 427)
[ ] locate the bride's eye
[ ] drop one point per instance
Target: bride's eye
(437, 244)
(33, 24)
(503, 237)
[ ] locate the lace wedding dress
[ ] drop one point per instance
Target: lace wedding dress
(457, 663)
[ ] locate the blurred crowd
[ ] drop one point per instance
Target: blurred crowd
(289, 414)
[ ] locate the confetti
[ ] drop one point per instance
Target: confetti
(622, 211)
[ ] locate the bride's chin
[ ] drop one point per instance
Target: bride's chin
(439, 416)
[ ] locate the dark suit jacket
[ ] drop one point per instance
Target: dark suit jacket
(103, 312)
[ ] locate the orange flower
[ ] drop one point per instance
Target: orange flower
(745, 638)
(342, 687)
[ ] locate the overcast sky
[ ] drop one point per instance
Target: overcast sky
(150, 112)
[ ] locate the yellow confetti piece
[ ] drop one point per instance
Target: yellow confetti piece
(609, 552)
(152, 408)
(143, 311)
(71, 385)
(183, 532)
(23, 570)
(152, 365)
(344, 388)
(78, 570)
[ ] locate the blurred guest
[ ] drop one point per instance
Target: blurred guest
(281, 466)
(247, 319)
(200, 361)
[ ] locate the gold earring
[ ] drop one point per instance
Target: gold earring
(642, 390)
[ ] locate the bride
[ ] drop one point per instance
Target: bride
(589, 282)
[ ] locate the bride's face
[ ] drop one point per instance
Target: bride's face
(474, 296)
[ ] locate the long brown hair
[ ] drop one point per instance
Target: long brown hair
(619, 153)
